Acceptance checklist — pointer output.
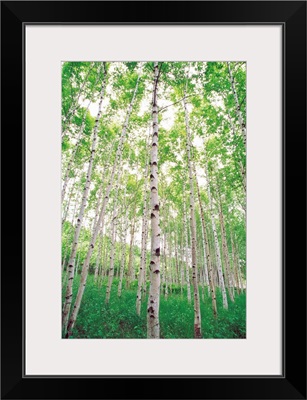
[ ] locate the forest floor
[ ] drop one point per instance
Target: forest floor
(119, 320)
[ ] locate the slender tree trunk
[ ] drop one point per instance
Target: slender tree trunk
(176, 260)
(113, 239)
(98, 260)
(235, 269)
(197, 316)
(123, 258)
(144, 286)
(217, 246)
(153, 325)
(181, 253)
(71, 265)
(112, 255)
(68, 202)
(165, 262)
(204, 240)
(225, 251)
(186, 250)
(131, 249)
(143, 245)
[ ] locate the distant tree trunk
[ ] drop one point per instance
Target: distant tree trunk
(234, 263)
(206, 250)
(181, 264)
(113, 238)
(197, 316)
(225, 251)
(68, 202)
(176, 259)
(217, 246)
(71, 265)
(131, 248)
(123, 258)
(153, 325)
(112, 255)
(98, 260)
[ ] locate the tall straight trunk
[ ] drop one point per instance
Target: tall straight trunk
(113, 238)
(143, 245)
(239, 269)
(100, 223)
(144, 286)
(176, 259)
(105, 261)
(68, 202)
(165, 276)
(197, 316)
(123, 256)
(98, 260)
(170, 259)
(181, 264)
(225, 251)
(112, 255)
(238, 108)
(153, 324)
(204, 238)
(216, 243)
(234, 263)
(72, 221)
(131, 248)
(185, 224)
(71, 265)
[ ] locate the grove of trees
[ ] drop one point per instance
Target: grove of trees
(153, 199)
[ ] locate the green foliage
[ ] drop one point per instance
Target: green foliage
(216, 142)
(119, 320)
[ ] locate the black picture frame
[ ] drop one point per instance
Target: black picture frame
(14, 17)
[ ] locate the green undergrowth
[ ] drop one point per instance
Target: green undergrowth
(119, 320)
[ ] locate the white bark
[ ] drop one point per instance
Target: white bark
(113, 239)
(153, 325)
(197, 316)
(216, 243)
(186, 250)
(225, 251)
(143, 245)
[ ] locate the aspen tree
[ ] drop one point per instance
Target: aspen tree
(197, 316)
(153, 324)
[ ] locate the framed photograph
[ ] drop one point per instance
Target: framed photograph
(163, 149)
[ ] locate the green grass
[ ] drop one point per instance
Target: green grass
(119, 320)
